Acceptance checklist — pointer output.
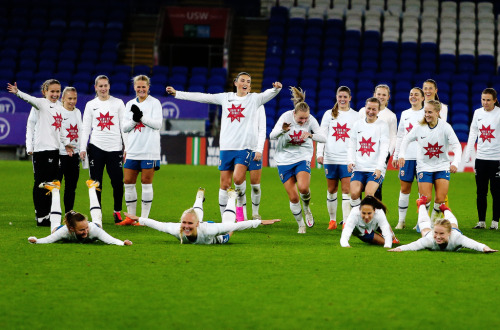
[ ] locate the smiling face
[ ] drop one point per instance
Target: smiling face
(301, 116)
(242, 84)
(488, 102)
(141, 88)
(343, 99)
(102, 89)
(416, 98)
(430, 91)
(69, 100)
(53, 92)
(372, 110)
(189, 224)
(81, 229)
(431, 114)
(441, 234)
(382, 94)
(367, 212)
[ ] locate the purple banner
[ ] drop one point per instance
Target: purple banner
(172, 108)
(13, 128)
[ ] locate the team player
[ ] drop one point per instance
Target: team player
(435, 138)
(383, 93)
(484, 128)
(76, 228)
(430, 92)
(255, 170)
(409, 119)
(367, 152)
(444, 237)
(295, 131)
(192, 229)
(103, 122)
(142, 121)
(69, 146)
(337, 123)
(366, 222)
(238, 133)
(46, 140)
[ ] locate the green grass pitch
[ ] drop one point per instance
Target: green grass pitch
(266, 278)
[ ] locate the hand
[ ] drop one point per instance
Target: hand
(377, 174)
(286, 127)
(127, 242)
(171, 91)
(394, 163)
(70, 150)
(401, 162)
(320, 160)
(453, 169)
(30, 153)
(305, 135)
(258, 156)
(137, 113)
(12, 88)
(131, 216)
(269, 222)
(32, 239)
(277, 84)
(487, 249)
(350, 167)
(82, 155)
(395, 250)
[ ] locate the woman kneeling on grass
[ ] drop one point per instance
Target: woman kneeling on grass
(193, 230)
(365, 221)
(76, 228)
(445, 237)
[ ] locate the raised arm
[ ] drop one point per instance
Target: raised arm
(34, 101)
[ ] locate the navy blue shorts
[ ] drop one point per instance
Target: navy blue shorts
(336, 172)
(254, 165)
(288, 171)
(408, 172)
(430, 177)
(229, 158)
(365, 177)
(138, 165)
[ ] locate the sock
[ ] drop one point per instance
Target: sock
(423, 218)
(229, 214)
(240, 190)
(131, 198)
(331, 205)
(404, 200)
(147, 199)
(222, 201)
(450, 217)
(355, 202)
(346, 206)
(198, 208)
(297, 213)
(55, 210)
(255, 196)
(435, 212)
(95, 207)
(306, 198)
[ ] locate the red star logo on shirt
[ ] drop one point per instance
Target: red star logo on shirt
(57, 121)
(341, 132)
(433, 150)
(138, 126)
(72, 132)
(235, 112)
(296, 138)
(105, 121)
(366, 146)
(408, 129)
(486, 133)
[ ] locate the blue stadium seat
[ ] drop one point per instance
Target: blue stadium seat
(119, 88)
(290, 72)
(309, 73)
(28, 65)
(142, 69)
(460, 118)
(196, 88)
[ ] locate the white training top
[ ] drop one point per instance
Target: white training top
(433, 146)
(105, 120)
(443, 113)
(239, 115)
(30, 130)
(485, 127)
(48, 122)
(290, 148)
(392, 121)
(338, 132)
(409, 119)
(206, 231)
(95, 233)
(354, 220)
(456, 242)
(261, 130)
(143, 138)
(70, 130)
(368, 146)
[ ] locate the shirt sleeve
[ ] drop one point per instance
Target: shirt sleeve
(384, 147)
(408, 138)
(278, 129)
(86, 127)
(121, 113)
(155, 120)
(267, 95)
(172, 228)
(34, 101)
(30, 130)
(399, 138)
(386, 229)
(100, 234)
(393, 128)
(318, 134)
(473, 134)
(201, 97)
(325, 121)
(261, 130)
(469, 243)
(224, 228)
(58, 235)
(128, 122)
(455, 146)
(349, 227)
(352, 144)
(420, 244)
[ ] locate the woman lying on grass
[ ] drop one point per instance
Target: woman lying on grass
(445, 237)
(193, 230)
(366, 221)
(77, 228)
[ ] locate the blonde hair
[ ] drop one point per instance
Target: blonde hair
(437, 107)
(141, 77)
(67, 89)
(383, 86)
(99, 77)
(335, 109)
(444, 223)
(298, 99)
(186, 212)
